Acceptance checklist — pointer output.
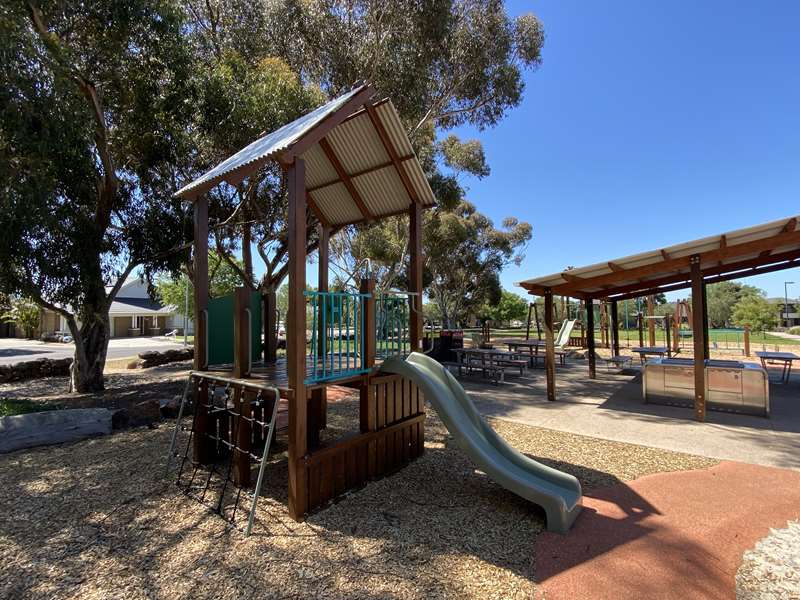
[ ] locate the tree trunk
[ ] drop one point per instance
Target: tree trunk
(91, 344)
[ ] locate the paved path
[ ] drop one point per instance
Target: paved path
(784, 334)
(14, 350)
(667, 536)
(611, 407)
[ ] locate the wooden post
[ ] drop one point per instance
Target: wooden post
(200, 283)
(415, 275)
(590, 338)
(699, 335)
(550, 351)
(651, 324)
(296, 340)
(746, 340)
(528, 326)
(270, 299)
(319, 400)
(242, 357)
(243, 439)
(538, 325)
(676, 330)
(614, 328)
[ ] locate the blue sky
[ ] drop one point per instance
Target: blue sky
(648, 124)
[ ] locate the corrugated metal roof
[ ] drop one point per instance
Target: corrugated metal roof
(357, 146)
(580, 279)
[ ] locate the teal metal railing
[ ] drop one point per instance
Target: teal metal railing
(337, 335)
(392, 312)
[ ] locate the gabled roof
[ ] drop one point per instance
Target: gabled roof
(360, 164)
(762, 248)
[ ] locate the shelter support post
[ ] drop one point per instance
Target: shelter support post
(706, 350)
(699, 335)
(590, 348)
(296, 339)
(614, 328)
(528, 325)
(550, 350)
(651, 324)
(640, 327)
(415, 275)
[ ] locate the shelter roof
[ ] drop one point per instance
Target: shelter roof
(360, 165)
(739, 253)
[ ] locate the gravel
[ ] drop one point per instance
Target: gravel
(98, 519)
(771, 570)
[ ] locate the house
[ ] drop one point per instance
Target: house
(792, 319)
(132, 313)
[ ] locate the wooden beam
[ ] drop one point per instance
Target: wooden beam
(415, 275)
(317, 212)
(569, 277)
(242, 358)
(724, 273)
(698, 335)
(357, 174)
(677, 264)
(200, 258)
(590, 346)
(296, 340)
(391, 151)
(342, 173)
(615, 267)
(651, 324)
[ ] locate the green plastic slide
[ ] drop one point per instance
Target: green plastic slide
(558, 493)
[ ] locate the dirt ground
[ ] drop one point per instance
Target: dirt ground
(123, 388)
(99, 519)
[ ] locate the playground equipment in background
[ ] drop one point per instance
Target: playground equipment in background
(558, 493)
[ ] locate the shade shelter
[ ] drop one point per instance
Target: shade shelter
(347, 162)
(759, 249)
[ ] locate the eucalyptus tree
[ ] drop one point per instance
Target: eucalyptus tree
(94, 102)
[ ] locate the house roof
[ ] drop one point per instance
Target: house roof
(739, 253)
(138, 306)
(360, 165)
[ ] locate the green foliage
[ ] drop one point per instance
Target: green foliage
(754, 311)
(794, 330)
(94, 103)
(21, 406)
(223, 280)
(464, 255)
(511, 307)
(464, 156)
(722, 297)
(24, 313)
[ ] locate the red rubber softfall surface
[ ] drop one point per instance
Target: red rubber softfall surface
(667, 536)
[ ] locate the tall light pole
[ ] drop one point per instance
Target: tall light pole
(786, 285)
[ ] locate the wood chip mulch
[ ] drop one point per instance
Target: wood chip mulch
(99, 519)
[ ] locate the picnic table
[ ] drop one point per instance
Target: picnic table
(645, 351)
(492, 363)
(531, 349)
(786, 358)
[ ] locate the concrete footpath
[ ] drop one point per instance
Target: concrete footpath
(611, 407)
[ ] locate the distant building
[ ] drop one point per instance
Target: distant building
(132, 313)
(792, 319)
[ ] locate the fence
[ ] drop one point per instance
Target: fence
(337, 335)
(392, 312)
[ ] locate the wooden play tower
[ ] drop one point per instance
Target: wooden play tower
(346, 162)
